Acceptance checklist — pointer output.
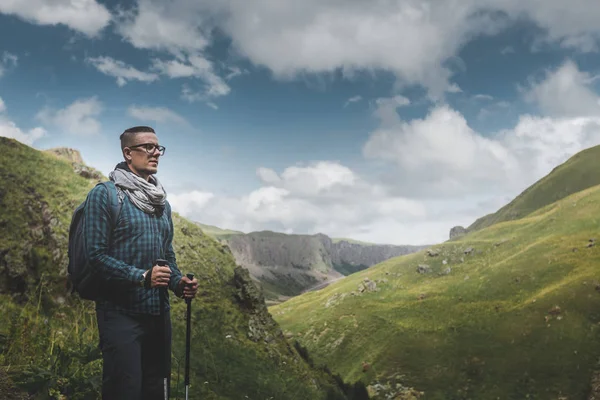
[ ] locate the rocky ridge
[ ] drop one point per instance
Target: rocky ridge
(287, 265)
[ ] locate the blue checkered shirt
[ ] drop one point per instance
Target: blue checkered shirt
(138, 240)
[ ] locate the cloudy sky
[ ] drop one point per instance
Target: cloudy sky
(388, 121)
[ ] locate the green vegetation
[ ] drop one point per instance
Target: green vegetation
(216, 232)
(48, 339)
(576, 174)
(516, 316)
(338, 240)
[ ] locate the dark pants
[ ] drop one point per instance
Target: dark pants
(133, 350)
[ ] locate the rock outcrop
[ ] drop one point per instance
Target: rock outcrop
(457, 232)
(68, 154)
(74, 157)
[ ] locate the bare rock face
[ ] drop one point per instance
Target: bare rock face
(293, 264)
(356, 256)
(38, 244)
(261, 325)
(87, 172)
(68, 154)
(74, 157)
(457, 231)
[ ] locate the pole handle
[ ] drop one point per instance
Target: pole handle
(191, 278)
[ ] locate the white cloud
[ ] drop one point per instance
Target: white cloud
(441, 156)
(174, 26)
(78, 118)
(352, 99)
(268, 176)
(10, 130)
(191, 66)
(7, 61)
(197, 67)
(565, 92)
(385, 109)
(85, 16)
(190, 200)
(441, 153)
(325, 36)
(120, 70)
(453, 88)
(320, 197)
(157, 114)
(236, 71)
(575, 26)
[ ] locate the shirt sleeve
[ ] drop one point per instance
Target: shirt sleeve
(97, 230)
(170, 253)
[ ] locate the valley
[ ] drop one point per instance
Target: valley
(286, 265)
(509, 310)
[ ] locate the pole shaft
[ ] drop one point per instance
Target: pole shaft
(188, 342)
(188, 338)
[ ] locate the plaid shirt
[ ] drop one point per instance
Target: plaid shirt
(138, 240)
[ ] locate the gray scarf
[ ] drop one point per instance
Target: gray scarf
(148, 196)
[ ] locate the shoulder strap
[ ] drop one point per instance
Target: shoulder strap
(113, 201)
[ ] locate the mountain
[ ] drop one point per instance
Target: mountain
(577, 173)
(508, 311)
(285, 265)
(48, 338)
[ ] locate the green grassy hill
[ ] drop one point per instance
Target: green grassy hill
(577, 173)
(48, 340)
(216, 232)
(511, 311)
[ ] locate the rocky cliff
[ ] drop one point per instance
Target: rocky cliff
(287, 265)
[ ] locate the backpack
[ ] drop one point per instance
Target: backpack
(80, 276)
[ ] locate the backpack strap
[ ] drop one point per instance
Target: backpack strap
(114, 202)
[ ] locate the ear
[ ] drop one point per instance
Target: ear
(127, 154)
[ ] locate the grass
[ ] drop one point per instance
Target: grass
(489, 329)
(48, 339)
(218, 233)
(576, 174)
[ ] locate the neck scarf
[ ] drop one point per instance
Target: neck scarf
(148, 196)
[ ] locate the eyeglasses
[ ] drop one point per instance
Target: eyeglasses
(150, 148)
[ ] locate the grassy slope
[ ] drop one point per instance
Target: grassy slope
(484, 331)
(216, 232)
(577, 173)
(48, 342)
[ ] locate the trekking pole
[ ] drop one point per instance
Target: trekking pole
(162, 294)
(188, 335)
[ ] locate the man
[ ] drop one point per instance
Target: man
(135, 334)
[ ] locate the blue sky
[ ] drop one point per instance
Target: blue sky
(388, 121)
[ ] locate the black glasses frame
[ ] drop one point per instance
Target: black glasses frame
(150, 147)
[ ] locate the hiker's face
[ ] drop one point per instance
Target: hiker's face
(140, 160)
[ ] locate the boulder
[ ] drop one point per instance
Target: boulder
(423, 268)
(457, 231)
(432, 253)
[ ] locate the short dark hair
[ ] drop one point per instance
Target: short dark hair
(128, 135)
